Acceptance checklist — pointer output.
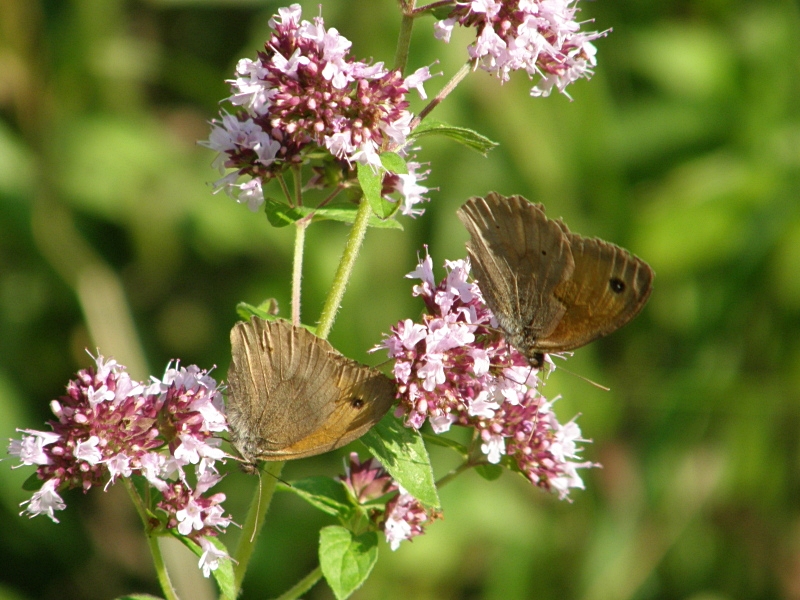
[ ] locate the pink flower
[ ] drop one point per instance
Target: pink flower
(366, 481)
(539, 37)
(45, 502)
(304, 94)
(30, 449)
(108, 426)
(404, 520)
(455, 368)
(210, 559)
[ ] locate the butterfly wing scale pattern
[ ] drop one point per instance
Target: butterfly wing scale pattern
(292, 394)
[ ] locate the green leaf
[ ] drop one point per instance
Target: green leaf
(267, 310)
(326, 494)
(347, 214)
(489, 472)
(442, 12)
(402, 452)
(280, 214)
(346, 560)
(446, 442)
(467, 137)
(223, 574)
(32, 483)
(394, 163)
(139, 597)
(372, 184)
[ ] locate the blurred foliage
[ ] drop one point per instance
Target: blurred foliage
(684, 148)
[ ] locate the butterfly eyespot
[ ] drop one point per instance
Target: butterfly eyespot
(617, 285)
(356, 402)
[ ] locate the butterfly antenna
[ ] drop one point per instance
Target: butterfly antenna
(258, 506)
(283, 481)
(586, 379)
(382, 363)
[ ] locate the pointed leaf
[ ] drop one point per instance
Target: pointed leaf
(372, 185)
(489, 472)
(346, 560)
(267, 310)
(347, 214)
(445, 442)
(467, 137)
(394, 163)
(402, 452)
(32, 483)
(280, 214)
(325, 493)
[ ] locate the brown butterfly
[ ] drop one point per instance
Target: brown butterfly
(291, 394)
(550, 290)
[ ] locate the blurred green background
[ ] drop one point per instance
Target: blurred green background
(684, 148)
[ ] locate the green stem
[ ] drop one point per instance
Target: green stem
(297, 268)
(256, 516)
(351, 249)
(403, 43)
(454, 473)
(297, 176)
(161, 568)
(152, 542)
(302, 586)
(443, 93)
(285, 188)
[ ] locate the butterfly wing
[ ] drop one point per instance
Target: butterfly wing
(519, 256)
(364, 396)
(608, 287)
(293, 395)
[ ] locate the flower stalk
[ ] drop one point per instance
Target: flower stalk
(302, 586)
(297, 269)
(256, 516)
(345, 269)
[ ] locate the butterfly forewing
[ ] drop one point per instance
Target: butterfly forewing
(268, 375)
(518, 257)
(293, 395)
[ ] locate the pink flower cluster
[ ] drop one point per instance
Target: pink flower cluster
(404, 515)
(304, 96)
(455, 368)
(540, 37)
(109, 426)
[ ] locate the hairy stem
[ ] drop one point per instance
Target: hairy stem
(403, 43)
(256, 516)
(443, 93)
(454, 473)
(302, 586)
(152, 542)
(285, 188)
(297, 268)
(345, 270)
